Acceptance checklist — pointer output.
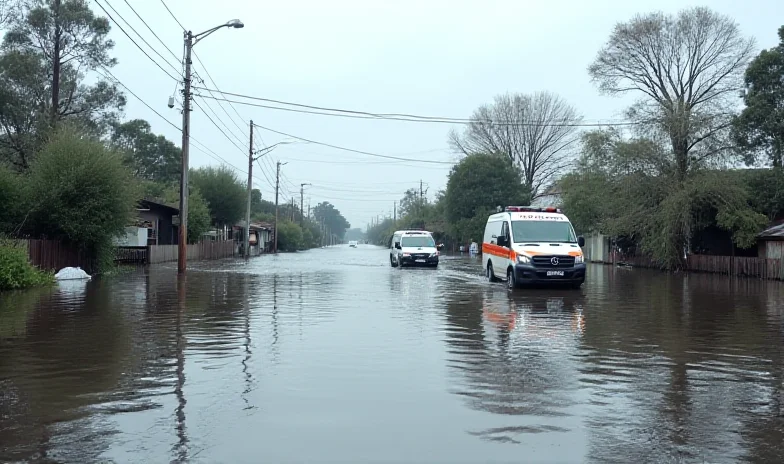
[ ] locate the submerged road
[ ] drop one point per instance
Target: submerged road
(333, 356)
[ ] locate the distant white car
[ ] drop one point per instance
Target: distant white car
(353, 243)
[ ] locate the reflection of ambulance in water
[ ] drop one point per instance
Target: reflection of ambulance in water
(532, 246)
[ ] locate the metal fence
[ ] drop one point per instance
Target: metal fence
(131, 255)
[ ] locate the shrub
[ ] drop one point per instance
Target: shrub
(81, 193)
(16, 272)
(289, 236)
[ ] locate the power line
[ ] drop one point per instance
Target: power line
(318, 186)
(352, 150)
(172, 15)
(325, 111)
(131, 38)
(204, 149)
(219, 128)
(204, 67)
(137, 97)
(150, 29)
(271, 184)
(228, 129)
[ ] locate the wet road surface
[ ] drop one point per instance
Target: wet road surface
(332, 356)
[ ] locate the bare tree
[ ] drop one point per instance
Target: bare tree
(533, 131)
(687, 68)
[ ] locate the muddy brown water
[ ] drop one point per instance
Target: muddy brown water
(332, 356)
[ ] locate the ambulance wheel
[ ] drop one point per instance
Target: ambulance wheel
(511, 280)
(490, 274)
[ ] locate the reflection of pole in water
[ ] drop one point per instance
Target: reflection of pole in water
(248, 352)
(181, 448)
(275, 317)
(299, 292)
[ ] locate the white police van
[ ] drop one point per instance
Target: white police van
(413, 248)
(528, 245)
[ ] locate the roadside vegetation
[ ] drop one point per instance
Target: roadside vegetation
(15, 270)
(72, 170)
(687, 159)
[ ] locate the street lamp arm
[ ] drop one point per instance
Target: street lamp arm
(235, 23)
(263, 151)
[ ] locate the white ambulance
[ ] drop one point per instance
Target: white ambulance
(528, 245)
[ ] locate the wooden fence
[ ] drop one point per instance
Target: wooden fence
(204, 250)
(53, 255)
(762, 268)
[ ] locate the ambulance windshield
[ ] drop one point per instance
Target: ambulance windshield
(543, 231)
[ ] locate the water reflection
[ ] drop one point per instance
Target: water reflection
(246, 361)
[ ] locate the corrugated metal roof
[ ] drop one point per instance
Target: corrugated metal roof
(773, 233)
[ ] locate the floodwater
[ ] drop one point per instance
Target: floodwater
(332, 356)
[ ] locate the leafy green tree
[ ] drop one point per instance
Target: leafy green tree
(198, 211)
(760, 127)
(621, 189)
(47, 51)
(225, 194)
(327, 213)
(150, 156)
(13, 199)
(313, 233)
(411, 203)
(476, 186)
(259, 206)
(82, 193)
(289, 236)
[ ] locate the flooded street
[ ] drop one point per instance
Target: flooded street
(333, 356)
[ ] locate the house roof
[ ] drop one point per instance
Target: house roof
(772, 233)
(147, 202)
(254, 226)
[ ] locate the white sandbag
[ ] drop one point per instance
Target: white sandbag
(72, 273)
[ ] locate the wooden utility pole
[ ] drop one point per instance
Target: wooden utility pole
(277, 190)
(250, 192)
(182, 245)
(302, 204)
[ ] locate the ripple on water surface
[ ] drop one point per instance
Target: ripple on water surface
(246, 361)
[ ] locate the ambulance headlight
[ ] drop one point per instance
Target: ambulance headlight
(522, 259)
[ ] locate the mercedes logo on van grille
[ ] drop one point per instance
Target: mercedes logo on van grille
(554, 260)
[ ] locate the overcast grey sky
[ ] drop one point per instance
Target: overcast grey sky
(428, 57)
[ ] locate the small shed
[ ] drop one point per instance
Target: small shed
(770, 242)
(154, 225)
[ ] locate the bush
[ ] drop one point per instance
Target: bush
(82, 193)
(289, 236)
(16, 272)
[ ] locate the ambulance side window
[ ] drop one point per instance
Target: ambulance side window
(505, 233)
(492, 228)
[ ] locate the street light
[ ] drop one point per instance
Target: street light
(190, 40)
